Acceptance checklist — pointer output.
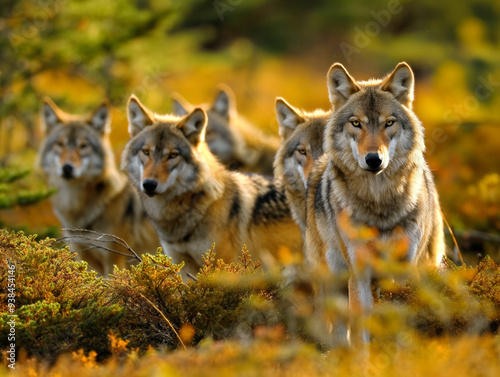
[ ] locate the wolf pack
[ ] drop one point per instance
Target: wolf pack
(205, 175)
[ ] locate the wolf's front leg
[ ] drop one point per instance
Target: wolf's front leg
(337, 288)
(360, 304)
(413, 255)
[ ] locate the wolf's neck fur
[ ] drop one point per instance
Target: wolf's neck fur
(377, 197)
(79, 204)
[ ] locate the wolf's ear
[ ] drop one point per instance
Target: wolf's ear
(193, 126)
(288, 118)
(101, 117)
(224, 101)
(179, 105)
(50, 114)
(340, 85)
(400, 83)
(138, 116)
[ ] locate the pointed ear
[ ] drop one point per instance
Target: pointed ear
(138, 116)
(340, 85)
(193, 126)
(101, 117)
(288, 118)
(224, 101)
(401, 84)
(179, 105)
(50, 114)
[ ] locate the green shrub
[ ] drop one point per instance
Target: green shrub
(60, 306)
(163, 311)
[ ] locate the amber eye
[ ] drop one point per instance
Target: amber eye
(389, 123)
(145, 152)
(356, 123)
(60, 144)
(301, 150)
(83, 146)
(173, 155)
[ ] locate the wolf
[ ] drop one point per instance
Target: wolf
(301, 135)
(194, 201)
(372, 177)
(76, 157)
(237, 143)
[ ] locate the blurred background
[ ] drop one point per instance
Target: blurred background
(79, 52)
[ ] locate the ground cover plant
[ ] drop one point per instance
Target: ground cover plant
(235, 318)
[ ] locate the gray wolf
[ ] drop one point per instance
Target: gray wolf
(76, 157)
(237, 143)
(372, 177)
(301, 145)
(194, 201)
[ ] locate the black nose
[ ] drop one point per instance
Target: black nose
(149, 186)
(67, 171)
(373, 160)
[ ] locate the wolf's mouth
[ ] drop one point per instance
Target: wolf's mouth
(374, 171)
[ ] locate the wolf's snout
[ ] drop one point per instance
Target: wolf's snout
(68, 171)
(373, 160)
(149, 186)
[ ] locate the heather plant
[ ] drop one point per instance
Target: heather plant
(234, 316)
(60, 306)
(453, 301)
(161, 310)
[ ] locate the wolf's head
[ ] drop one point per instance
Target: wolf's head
(75, 147)
(373, 128)
(222, 138)
(301, 143)
(166, 153)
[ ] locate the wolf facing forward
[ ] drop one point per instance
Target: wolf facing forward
(194, 201)
(373, 175)
(92, 194)
(301, 145)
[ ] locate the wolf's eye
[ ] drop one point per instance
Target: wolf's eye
(172, 155)
(145, 152)
(301, 151)
(356, 123)
(83, 146)
(389, 123)
(60, 144)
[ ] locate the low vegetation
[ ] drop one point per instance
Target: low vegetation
(234, 318)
